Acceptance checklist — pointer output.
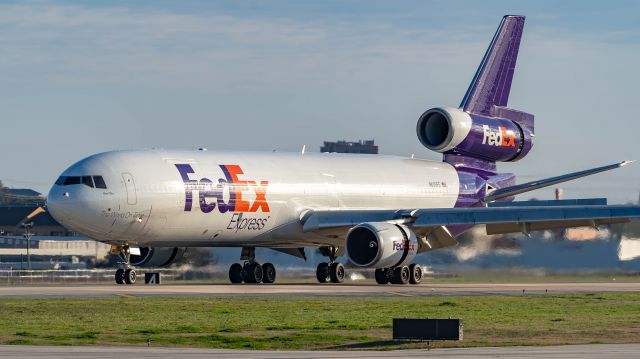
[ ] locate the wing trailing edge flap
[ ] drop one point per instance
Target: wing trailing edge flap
(528, 227)
(435, 238)
(523, 215)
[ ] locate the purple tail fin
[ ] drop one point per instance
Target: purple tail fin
(488, 93)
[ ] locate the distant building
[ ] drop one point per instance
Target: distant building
(43, 224)
(19, 196)
(362, 146)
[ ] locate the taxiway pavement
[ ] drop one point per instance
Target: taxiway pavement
(591, 351)
(81, 290)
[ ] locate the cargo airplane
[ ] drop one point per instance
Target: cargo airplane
(379, 211)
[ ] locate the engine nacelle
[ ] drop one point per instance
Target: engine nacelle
(381, 245)
(451, 130)
(155, 256)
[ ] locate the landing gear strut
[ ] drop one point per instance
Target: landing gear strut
(125, 274)
(251, 271)
(399, 275)
(332, 271)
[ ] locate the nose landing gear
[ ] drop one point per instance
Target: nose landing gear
(125, 274)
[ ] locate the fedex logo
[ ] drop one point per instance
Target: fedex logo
(502, 138)
(211, 194)
(405, 245)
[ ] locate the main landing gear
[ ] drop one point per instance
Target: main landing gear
(399, 275)
(251, 271)
(332, 271)
(125, 274)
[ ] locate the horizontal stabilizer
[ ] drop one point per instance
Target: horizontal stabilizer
(534, 185)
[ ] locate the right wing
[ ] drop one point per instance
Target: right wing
(431, 225)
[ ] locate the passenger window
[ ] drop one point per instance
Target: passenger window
(71, 180)
(60, 180)
(87, 181)
(99, 182)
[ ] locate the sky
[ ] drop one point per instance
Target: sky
(81, 77)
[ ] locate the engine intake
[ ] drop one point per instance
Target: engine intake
(156, 256)
(451, 130)
(381, 245)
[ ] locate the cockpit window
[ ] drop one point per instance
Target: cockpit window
(71, 180)
(87, 181)
(99, 182)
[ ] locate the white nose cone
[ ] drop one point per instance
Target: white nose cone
(59, 204)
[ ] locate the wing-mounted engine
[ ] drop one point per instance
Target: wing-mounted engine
(155, 256)
(381, 245)
(454, 131)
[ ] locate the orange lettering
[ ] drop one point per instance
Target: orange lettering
(239, 186)
(261, 200)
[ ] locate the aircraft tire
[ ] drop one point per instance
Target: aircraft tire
(415, 274)
(252, 273)
(381, 276)
(235, 273)
(336, 272)
(322, 272)
(401, 275)
(120, 276)
(130, 276)
(268, 273)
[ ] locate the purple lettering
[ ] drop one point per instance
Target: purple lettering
(189, 185)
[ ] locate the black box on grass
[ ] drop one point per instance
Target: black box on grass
(427, 329)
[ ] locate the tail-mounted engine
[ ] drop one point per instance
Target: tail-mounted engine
(381, 245)
(452, 130)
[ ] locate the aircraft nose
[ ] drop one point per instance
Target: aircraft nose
(59, 204)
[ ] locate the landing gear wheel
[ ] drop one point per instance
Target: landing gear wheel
(400, 275)
(322, 272)
(252, 273)
(130, 276)
(415, 276)
(268, 273)
(120, 276)
(235, 273)
(336, 272)
(381, 276)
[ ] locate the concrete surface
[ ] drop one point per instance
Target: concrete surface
(591, 351)
(80, 290)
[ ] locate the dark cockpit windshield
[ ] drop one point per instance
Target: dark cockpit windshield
(89, 181)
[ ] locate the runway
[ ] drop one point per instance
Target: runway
(595, 351)
(92, 290)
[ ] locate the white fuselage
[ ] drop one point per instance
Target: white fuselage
(207, 198)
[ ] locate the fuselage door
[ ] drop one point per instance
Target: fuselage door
(132, 197)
